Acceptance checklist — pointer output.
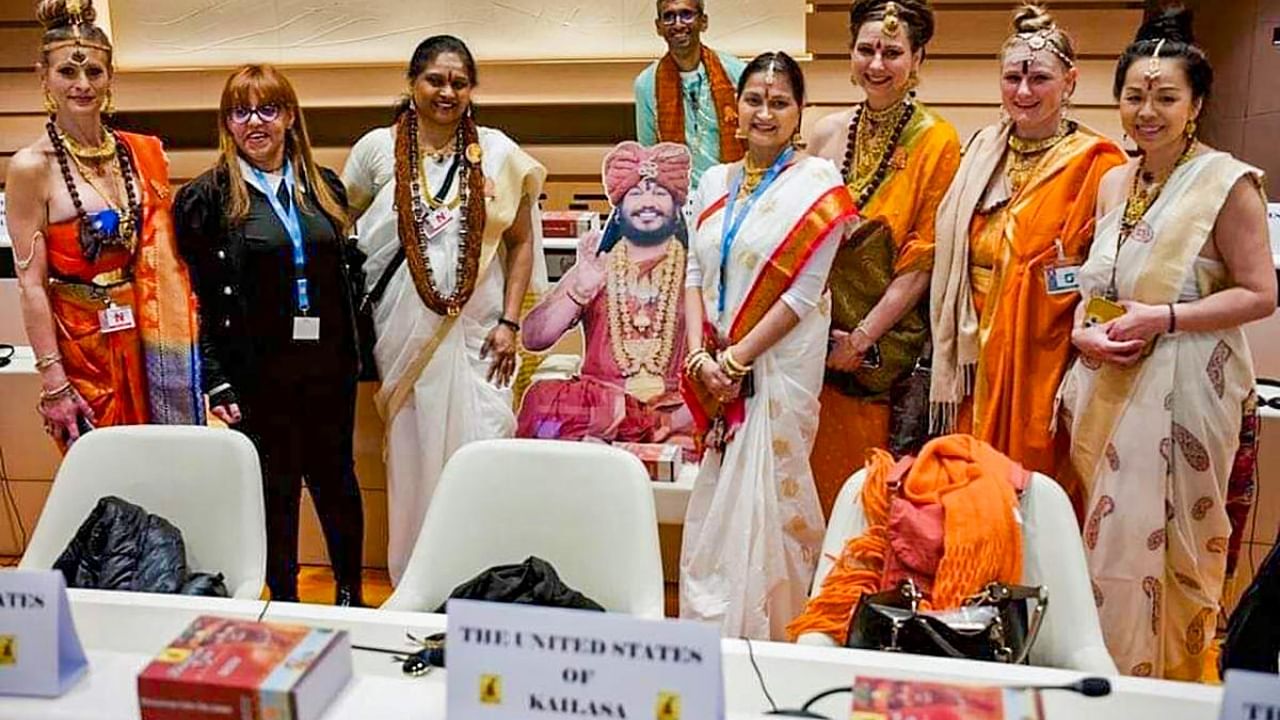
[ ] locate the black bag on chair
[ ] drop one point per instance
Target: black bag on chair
(994, 625)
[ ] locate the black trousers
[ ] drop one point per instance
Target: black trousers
(302, 426)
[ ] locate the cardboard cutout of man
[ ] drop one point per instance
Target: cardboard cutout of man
(627, 291)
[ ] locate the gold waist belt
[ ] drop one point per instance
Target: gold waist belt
(114, 286)
(982, 279)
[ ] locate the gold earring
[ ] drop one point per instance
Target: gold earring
(740, 134)
(50, 105)
(109, 104)
(853, 79)
(1192, 127)
(913, 81)
(798, 142)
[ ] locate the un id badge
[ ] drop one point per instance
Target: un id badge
(115, 318)
(1060, 279)
(1063, 274)
(306, 329)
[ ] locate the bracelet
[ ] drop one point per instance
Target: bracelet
(510, 324)
(865, 334)
(694, 361)
(1173, 319)
(734, 369)
(57, 393)
(47, 361)
(576, 300)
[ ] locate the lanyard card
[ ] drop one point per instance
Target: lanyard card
(115, 318)
(437, 220)
(1063, 274)
(306, 329)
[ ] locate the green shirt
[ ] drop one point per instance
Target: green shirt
(701, 125)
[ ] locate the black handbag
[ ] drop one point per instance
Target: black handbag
(995, 625)
(364, 314)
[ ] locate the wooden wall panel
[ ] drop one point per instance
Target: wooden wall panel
(18, 45)
(977, 32)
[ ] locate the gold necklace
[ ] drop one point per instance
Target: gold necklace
(641, 352)
(113, 197)
(102, 151)
(1025, 156)
(751, 176)
(430, 197)
(1145, 190)
(875, 139)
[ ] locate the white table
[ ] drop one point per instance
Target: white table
(123, 631)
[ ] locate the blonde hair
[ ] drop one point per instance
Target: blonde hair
(269, 85)
(1034, 21)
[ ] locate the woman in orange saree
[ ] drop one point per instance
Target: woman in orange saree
(898, 157)
(1011, 234)
(106, 301)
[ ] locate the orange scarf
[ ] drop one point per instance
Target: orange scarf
(670, 100)
(982, 541)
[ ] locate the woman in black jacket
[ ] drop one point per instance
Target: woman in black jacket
(264, 232)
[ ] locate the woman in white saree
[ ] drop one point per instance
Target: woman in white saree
(1155, 402)
(449, 209)
(758, 318)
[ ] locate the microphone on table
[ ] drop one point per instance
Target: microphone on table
(1088, 687)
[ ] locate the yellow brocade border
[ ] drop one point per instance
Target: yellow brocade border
(789, 259)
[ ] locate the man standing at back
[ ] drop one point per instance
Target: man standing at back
(689, 96)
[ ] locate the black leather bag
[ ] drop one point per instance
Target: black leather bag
(995, 625)
(364, 314)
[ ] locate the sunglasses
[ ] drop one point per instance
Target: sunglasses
(241, 114)
(684, 17)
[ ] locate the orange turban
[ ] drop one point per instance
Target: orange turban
(630, 162)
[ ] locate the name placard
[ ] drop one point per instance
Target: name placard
(1250, 696)
(40, 653)
(517, 661)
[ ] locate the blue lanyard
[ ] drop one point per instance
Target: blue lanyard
(733, 223)
(293, 226)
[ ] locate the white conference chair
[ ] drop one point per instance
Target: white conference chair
(1053, 556)
(585, 508)
(206, 481)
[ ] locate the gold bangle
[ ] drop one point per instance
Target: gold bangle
(694, 361)
(57, 393)
(47, 361)
(731, 367)
(733, 363)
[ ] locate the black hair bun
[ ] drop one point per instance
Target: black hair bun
(1172, 25)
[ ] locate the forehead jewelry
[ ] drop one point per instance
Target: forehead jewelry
(891, 24)
(1153, 66)
(75, 9)
(1043, 40)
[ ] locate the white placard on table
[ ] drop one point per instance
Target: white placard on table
(40, 653)
(1250, 696)
(516, 661)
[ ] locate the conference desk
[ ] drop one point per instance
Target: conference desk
(122, 631)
